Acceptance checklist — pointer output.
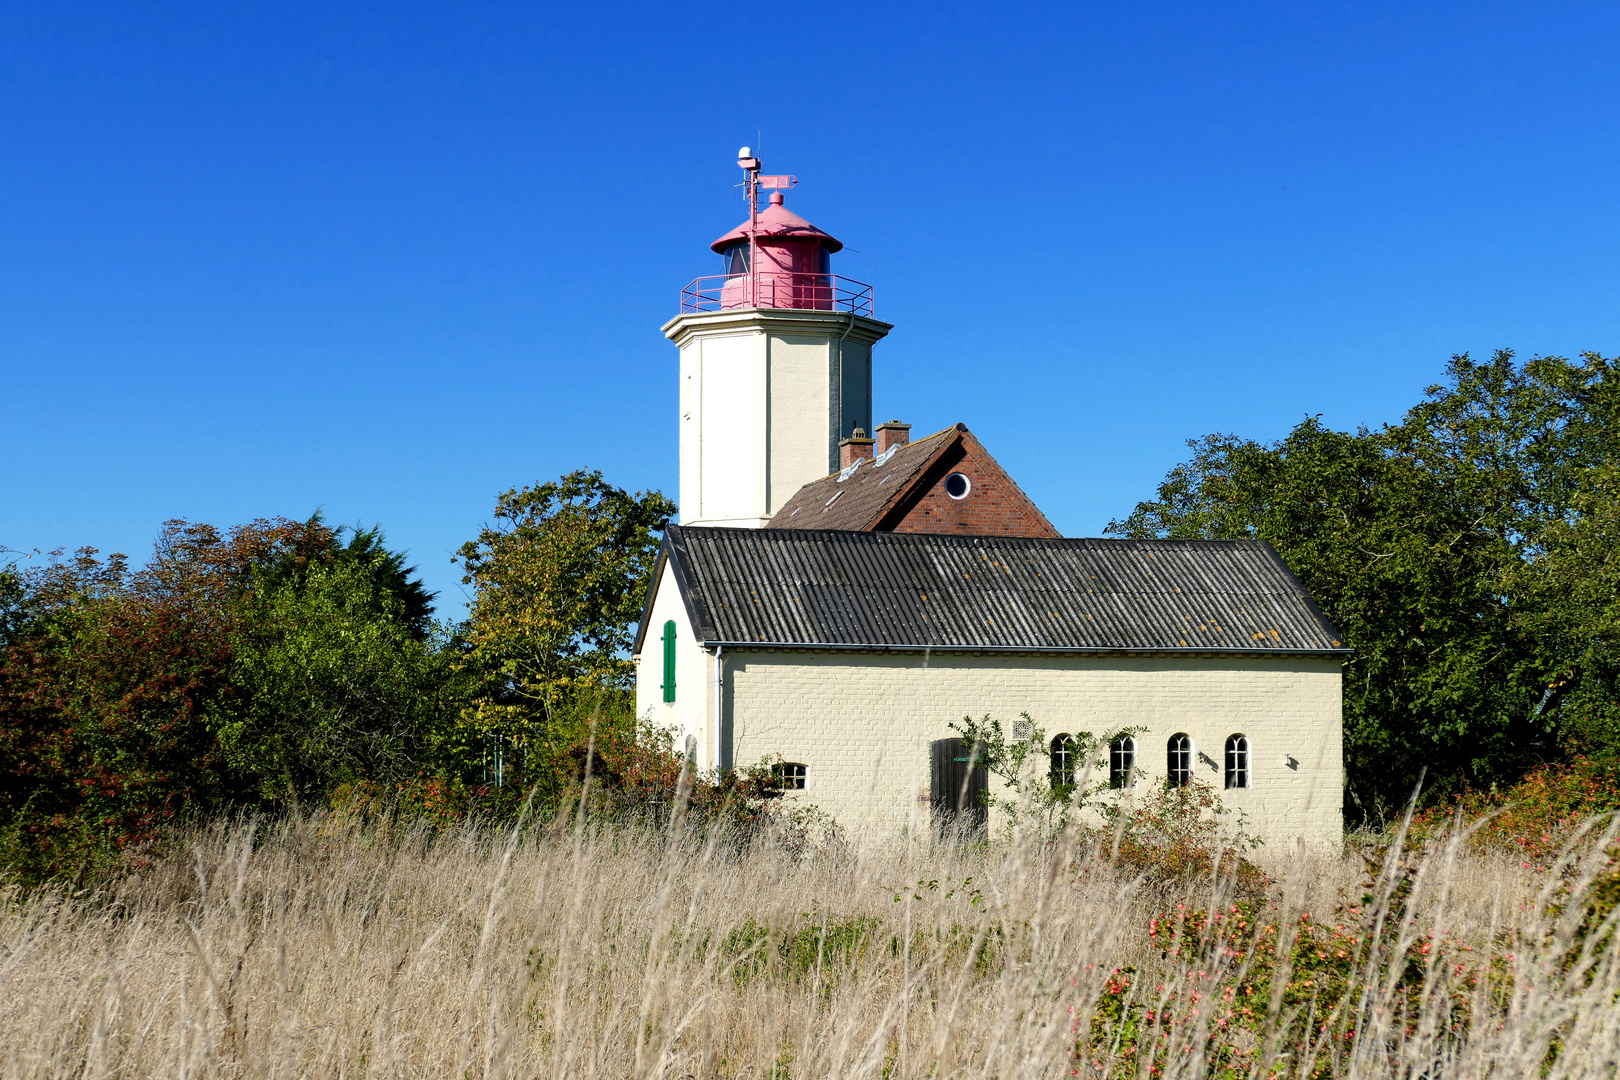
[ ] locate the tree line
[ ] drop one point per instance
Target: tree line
(283, 662)
(1467, 554)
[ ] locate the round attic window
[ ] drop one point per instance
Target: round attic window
(957, 485)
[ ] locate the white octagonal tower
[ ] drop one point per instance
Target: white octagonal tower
(776, 364)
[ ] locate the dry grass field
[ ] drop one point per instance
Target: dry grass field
(310, 949)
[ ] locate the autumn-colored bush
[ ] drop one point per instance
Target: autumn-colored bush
(1534, 818)
(432, 799)
(236, 669)
(1175, 835)
(1253, 971)
(1248, 972)
(106, 740)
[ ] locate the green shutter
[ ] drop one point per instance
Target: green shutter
(669, 660)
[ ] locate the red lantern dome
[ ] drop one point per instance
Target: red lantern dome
(794, 261)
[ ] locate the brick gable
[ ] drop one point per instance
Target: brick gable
(904, 491)
(994, 505)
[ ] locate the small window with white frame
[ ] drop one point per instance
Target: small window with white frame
(790, 775)
(1122, 762)
(1179, 760)
(1237, 761)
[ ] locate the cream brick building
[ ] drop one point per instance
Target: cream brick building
(848, 654)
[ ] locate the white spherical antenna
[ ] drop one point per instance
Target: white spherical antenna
(745, 152)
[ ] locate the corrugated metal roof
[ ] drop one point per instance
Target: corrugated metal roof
(909, 590)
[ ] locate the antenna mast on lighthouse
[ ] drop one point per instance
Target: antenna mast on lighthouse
(750, 166)
(754, 184)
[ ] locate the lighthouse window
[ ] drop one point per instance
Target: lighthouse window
(736, 257)
(825, 266)
(957, 485)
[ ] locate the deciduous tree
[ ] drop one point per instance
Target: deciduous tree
(558, 579)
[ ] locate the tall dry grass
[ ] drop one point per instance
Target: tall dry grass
(306, 948)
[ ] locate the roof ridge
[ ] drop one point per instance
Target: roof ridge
(881, 536)
(898, 450)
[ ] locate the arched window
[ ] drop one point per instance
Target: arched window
(1237, 761)
(1122, 762)
(669, 660)
(1063, 761)
(1179, 760)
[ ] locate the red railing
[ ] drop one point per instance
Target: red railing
(776, 289)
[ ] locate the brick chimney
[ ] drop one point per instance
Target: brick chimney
(892, 434)
(855, 448)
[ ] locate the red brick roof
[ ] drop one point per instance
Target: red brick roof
(906, 493)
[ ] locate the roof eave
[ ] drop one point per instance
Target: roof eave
(696, 614)
(1101, 650)
(1304, 594)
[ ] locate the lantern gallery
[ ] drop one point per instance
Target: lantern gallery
(833, 600)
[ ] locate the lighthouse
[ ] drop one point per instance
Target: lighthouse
(776, 362)
(811, 561)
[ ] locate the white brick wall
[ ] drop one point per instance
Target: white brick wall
(692, 711)
(862, 722)
(765, 397)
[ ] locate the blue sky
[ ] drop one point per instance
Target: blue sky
(390, 260)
